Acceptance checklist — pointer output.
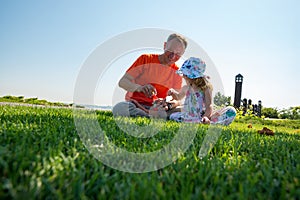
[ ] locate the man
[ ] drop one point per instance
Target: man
(150, 77)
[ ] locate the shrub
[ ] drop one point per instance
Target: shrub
(290, 113)
(270, 112)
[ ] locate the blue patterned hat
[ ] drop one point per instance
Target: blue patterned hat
(192, 68)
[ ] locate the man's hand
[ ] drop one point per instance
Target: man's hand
(160, 103)
(148, 89)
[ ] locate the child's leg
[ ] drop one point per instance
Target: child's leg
(177, 116)
(223, 116)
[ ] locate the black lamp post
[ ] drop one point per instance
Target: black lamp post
(259, 108)
(238, 90)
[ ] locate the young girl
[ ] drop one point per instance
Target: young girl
(198, 106)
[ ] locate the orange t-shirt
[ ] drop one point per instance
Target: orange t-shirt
(148, 70)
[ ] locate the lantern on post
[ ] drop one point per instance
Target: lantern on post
(249, 103)
(259, 108)
(244, 106)
(255, 109)
(238, 90)
(250, 106)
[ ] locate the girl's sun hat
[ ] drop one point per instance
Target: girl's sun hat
(192, 68)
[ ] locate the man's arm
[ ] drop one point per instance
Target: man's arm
(126, 82)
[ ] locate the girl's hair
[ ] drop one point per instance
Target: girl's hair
(201, 82)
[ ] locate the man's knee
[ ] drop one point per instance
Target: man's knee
(121, 109)
(128, 109)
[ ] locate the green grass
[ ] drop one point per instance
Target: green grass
(34, 100)
(42, 157)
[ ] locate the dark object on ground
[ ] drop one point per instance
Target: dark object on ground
(266, 131)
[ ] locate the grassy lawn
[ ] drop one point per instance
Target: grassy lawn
(42, 157)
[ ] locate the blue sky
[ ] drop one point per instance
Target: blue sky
(45, 43)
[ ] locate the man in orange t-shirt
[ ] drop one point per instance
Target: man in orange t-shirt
(150, 77)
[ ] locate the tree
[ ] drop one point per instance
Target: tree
(270, 112)
(221, 100)
(290, 113)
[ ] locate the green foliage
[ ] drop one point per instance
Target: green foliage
(221, 100)
(270, 112)
(290, 113)
(247, 115)
(33, 100)
(42, 157)
(9, 98)
(250, 118)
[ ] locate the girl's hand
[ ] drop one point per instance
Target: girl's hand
(171, 91)
(205, 120)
